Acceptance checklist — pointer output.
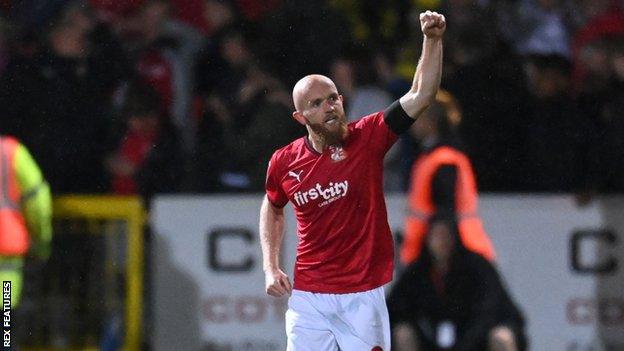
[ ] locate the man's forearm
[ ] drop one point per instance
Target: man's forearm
(271, 234)
(429, 74)
(426, 79)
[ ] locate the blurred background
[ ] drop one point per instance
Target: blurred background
(153, 121)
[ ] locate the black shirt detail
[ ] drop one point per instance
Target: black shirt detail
(396, 118)
(443, 188)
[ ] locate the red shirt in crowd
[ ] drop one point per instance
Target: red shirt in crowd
(345, 244)
(134, 150)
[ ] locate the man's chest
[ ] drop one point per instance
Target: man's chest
(320, 180)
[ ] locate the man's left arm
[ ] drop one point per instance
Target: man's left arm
(429, 71)
(400, 115)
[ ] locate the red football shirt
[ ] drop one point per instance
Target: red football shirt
(345, 244)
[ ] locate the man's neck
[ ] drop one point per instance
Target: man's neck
(318, 144)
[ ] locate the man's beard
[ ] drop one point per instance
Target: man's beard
(331, 136)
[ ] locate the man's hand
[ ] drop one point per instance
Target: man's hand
(432, 24)
(277, 283)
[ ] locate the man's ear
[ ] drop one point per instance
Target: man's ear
(298, 116)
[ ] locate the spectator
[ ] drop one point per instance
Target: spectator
(452, 299)
(390, 78)
(611, 125)
(4, 45)
(376, 22)
(602, 19)
(367, 96)
(256, 10)
(102, 44)
(58, 106)
(342, 73)
(223, 120)
(442, 179)
(25, 213)
(302, 49)
(593, 60)
(364, 95)
(165, 50)
(561, 151)
(215, 62)
(244, 107)
(487, 79)
(544, 26)
(271, 125)
(146, 160)
(237, 146)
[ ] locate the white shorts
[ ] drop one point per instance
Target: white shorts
(330, 322)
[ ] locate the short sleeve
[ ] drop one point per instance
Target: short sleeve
(275, 192)
(381, 136)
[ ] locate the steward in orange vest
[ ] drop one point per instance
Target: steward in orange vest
(442, 179)
(13, 233)
(25, 213)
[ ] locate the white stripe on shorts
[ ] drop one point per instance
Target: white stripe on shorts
(331, 322)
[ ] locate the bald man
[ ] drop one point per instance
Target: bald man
(333, 178)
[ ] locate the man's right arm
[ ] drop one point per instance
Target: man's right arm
(271, 235)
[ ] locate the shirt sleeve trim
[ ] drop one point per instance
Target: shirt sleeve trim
(275, 204)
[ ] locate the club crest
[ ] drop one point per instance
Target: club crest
(337, 153)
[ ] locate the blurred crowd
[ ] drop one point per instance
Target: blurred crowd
(159, 96)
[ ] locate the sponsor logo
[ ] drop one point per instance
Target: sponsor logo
(332, 192)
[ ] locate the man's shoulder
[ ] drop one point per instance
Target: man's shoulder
(368, 120)
(290, 151)
(292, 148)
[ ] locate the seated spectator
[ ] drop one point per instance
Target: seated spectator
(452, 299)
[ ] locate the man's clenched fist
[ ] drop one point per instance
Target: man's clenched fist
(432, 24)
(277, 283)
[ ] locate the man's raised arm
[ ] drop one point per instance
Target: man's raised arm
(271, 235)
(429, 70)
